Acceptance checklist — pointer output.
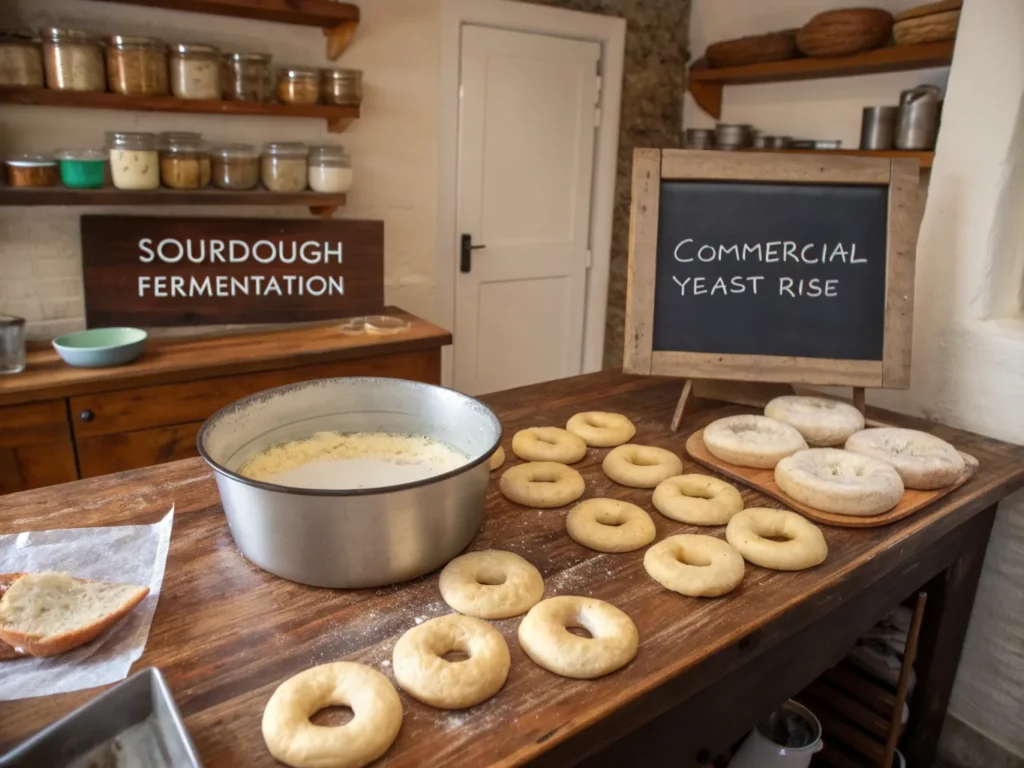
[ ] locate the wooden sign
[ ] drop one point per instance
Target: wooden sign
(771, 267)
(149, 271)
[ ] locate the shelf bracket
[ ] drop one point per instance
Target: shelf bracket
(339, 37)
(708, 96)
(323, 211)
(339, 124)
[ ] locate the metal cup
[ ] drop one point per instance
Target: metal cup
(878, 127)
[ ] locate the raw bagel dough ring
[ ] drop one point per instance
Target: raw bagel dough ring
(294, 740)
(834, 480)
(697, 499)
(640, 466)
(697, 566)
(752, 441)
(491, 584)
(497, 459)
(752, 530)
(610, 525)
(601, 429)
(425, 675)
(924, 461)
(542, 484)
(820, 420)
(548, 444)
(545, 638)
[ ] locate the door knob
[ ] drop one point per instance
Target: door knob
(466, 257)
(87, 415)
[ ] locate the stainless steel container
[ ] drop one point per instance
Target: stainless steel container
(134, 723)
(732, 136)
(363, 537)
(878, 127)
(771, 142)
(699, 138)
(917, 126)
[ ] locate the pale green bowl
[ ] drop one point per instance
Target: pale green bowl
(100, 347)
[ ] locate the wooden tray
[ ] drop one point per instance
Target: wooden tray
(764, 481)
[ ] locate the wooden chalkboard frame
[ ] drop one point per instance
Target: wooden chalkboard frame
(652, 166)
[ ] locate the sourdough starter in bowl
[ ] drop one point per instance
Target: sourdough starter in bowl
(333, 461)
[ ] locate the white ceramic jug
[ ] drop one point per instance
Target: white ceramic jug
(760, 750)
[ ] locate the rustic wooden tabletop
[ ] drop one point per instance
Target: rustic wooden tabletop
(226, 634)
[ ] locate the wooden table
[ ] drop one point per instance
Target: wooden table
(226, 634)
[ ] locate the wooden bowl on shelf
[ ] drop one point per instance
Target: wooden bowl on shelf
(754, 49)
(845, 32)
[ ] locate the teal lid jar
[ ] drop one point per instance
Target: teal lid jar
(82, 168)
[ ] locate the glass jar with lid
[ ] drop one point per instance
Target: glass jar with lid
(31, 171)
(235, 166)
(12, 344)
(134, 162)
(73, 60)
(284, 167)
(184, 164)
(298, 86)
(195, 71)
(136, 66)
(330, 170)
(341, 87)
(21, 60)
(82, 168)
(246, 76)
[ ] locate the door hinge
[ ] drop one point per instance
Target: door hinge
(589, 262)
(597, 117)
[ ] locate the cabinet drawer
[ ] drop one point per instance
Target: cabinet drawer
(128, 410)
(132, 450)
(34, 424)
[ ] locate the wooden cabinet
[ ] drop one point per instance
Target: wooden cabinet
(109, 420)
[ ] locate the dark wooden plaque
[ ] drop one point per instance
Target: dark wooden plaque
(150, 271)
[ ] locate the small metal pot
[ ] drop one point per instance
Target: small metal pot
(699, 138)
(365, 537)
(729, 136)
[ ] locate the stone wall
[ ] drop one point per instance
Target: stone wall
(652, 91)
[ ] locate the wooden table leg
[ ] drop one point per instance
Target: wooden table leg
(950, 599)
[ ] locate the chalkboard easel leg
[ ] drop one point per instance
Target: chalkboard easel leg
(684, 404)
(859, 399)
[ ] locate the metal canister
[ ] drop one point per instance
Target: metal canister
(878, 127)
(699, 138)
(729, 136)
(918, 123)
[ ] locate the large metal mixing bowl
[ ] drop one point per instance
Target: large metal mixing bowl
(364, 537)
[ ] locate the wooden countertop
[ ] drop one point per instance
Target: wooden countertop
(166, 361)
(226, 634)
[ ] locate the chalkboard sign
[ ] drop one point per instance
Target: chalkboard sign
(772, 267)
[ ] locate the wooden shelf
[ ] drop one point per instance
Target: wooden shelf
(705, 83)
(923, 158)
(338, 118)
(338, 20)
(319, 204)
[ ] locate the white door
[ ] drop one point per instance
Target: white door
(527, 120)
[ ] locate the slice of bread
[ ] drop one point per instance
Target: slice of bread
(6, 651)
(44, 614)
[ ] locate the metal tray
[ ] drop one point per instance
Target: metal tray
(133, 724)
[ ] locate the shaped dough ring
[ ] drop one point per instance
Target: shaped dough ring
(542, 484)
(838, 481)
(497, 459)
(544, 637)
(752, 532)
(601, 429)
(697, 566)
(820, 420)
(697, 499)
(294, 740)
(491, 584)
(924, 461)
(640, 466)
(752, 441)
(424, 674)
(609, 525)
(548, 444)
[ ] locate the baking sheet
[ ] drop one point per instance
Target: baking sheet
(129, 554)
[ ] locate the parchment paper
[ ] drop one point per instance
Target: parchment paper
(129, 554)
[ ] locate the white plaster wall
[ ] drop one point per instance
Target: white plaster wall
(968, 367)
(393, 145)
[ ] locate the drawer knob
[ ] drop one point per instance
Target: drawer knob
(87, 415)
